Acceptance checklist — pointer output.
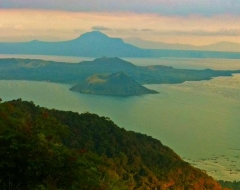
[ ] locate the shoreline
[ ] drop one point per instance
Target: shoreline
(223, 167)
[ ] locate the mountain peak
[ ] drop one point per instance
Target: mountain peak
(105, 58)
(120, 75)
(116, 84)
(114, 62)
(93, 35)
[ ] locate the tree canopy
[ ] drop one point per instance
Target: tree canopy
(51, 149)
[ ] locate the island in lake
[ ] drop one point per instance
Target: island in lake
(116, 84)
(79, 73)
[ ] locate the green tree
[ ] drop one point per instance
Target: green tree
(32, 153)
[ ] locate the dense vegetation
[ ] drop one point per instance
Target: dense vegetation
(233, 185)
(39, 70)
(50, 149)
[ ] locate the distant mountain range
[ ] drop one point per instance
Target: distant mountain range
(91, 44)
(116, 84)
(220, 46)
(97, 44)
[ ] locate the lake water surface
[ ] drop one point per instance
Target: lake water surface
(181, 63)
(199, 120)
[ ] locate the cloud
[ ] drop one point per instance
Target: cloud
(162, 7)
(100, 28)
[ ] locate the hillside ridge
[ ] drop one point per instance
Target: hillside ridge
(52, 149)
(39, 70)
(116, 84)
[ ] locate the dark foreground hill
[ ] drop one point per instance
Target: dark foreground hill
(50, 149)
(117, 84)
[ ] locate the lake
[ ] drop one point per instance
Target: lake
(181, 63)
(198, 120)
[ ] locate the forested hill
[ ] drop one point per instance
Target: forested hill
(39, 70)
(50, 149)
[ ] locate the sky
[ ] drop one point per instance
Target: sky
(171, 21)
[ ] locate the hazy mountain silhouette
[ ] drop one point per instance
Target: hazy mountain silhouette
(220, 46)
(90, 44)
(97, 44)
